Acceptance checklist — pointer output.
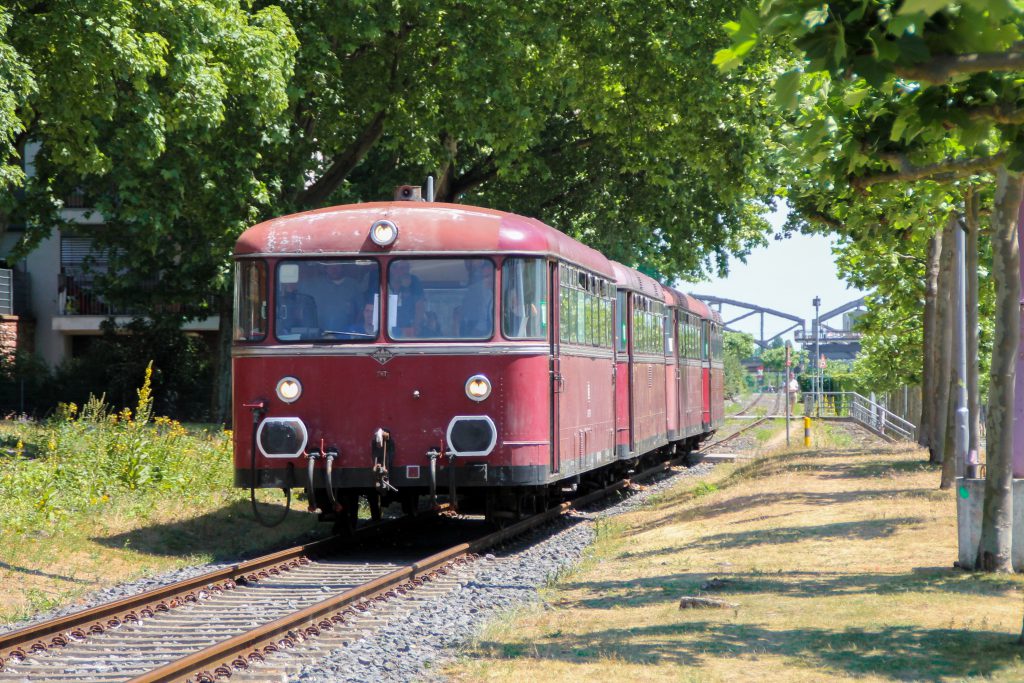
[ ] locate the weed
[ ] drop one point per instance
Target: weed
(704, 488)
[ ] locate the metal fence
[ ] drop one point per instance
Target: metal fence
(852, 405)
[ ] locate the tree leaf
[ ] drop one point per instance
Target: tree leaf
(787, 86)
(929, 7)
(816, 17)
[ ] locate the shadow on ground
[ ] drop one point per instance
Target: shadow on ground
(668, 588)
(896, 653)
(222, 534)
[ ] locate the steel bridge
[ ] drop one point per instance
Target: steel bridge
(835, 342)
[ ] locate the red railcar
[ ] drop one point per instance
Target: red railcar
(402, 348)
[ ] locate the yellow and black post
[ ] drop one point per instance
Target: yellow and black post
(807, 431)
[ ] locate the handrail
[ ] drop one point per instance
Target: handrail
(860, 409)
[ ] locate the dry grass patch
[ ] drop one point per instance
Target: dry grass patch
(840, 561)
(41, 570)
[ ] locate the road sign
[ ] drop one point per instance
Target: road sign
(821, 362)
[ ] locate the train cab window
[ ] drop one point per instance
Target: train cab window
(250, 301)
(440, 299)
(524, 294)
(327, 300)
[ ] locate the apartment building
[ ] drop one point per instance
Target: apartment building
(48, 302)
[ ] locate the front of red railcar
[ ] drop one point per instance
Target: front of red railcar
(392, 349)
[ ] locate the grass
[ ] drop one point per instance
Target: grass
(839, 557)
(92, 498)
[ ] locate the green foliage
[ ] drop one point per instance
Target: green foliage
(737, 346)
(774, 358)
(180, 364)
(80, 460)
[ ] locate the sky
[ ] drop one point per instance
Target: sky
(785, 275)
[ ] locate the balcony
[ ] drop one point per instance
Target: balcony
(81, 309)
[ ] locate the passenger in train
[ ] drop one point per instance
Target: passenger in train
(406, 290)
(478, 301)
(296, 310)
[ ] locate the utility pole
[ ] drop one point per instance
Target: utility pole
(817, 356)
(785, 388)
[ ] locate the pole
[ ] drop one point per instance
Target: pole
(785, 397)
(817, 355)
(962, 440)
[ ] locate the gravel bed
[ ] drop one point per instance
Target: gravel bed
(412, 648)
(124, 590)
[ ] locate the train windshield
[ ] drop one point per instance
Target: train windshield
(328, 300)
(441, 299)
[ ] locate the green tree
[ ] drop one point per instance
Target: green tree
(921, 94)
(737, 347)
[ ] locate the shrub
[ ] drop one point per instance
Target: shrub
(82, 459)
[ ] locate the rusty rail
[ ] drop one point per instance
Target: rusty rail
(727, 439)
(78, 626)
(220, 660)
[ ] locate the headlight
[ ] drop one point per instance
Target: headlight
(289, 389)
(478, 387)
(383, 233)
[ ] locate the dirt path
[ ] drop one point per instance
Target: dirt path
(839, 561)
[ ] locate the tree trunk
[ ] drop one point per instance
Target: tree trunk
(943, 344)
(949, 440)
(971, 268)
(997, 516)
(221, 407)
(928, 367)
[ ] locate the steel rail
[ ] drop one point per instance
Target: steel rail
(220, 660)
(735, 434)
(16, 645)
(750, 406)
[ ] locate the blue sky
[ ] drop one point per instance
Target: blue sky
(785, 275)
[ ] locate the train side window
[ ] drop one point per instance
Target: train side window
(524, 294)
(250, 322)
(621, 319)
(704, 340)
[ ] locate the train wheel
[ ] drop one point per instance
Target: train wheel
(374, 500)
(346, 520)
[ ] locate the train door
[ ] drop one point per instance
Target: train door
(557, 383)
(632, 374)
(705, 372)
(623, 377)
(671, 375)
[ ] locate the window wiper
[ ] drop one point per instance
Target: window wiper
(351, 334)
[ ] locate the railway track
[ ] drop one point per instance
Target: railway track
(245, 622)
(750, 406)
(730, 437)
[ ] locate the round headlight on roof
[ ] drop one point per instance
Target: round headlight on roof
(478, 387)
(383, 233)
(289, 389)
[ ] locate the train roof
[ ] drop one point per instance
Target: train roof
(692, 304)
(634, 280)
(423, 227)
